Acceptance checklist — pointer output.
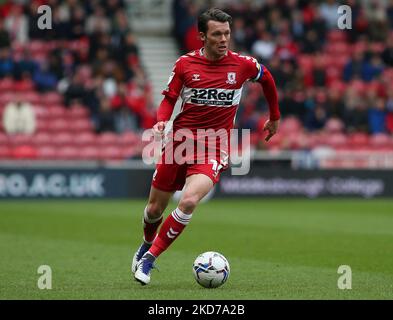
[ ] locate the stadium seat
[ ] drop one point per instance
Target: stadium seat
(108, 139)
(358, 139)
(64, 139)
(306, 62)
(16, 55)
(359, 46)
(81, 125)
(37, 46)
(24, 152)
(333, 74)
(78, 112)
(389, 122)
(41, 112)
(338, 85)
(359, 86)
(20, 139)
(47, 153)
(110, 153)
(56, 111)
(32, 97)
(380, 140)
(6, 85)
(17, 46)
(337, 48)
(88, 153)
(129, 152)
(377, 47)
(4, 139)
(42, 124)
(339, 61)
(52, 98)
(290, 125)
(23, 86)
(6, 97)
(128, 139)
(335, 140)
(58, 125)
(67, 153)
(387, 75)
(314, 140)
(301, 141)
(334, 125)
(336, 36)
(53, 44)
(39, 57)
(277, 141)
(77, 45)
(86, 139)
(5, 152)
(42, 138)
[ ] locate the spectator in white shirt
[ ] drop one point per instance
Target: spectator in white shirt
(19, 117)
(329, 12)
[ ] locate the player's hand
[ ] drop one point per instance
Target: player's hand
(158, 128)
(272, 127)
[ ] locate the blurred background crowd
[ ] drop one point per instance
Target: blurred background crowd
(82, 83)
(335, 86)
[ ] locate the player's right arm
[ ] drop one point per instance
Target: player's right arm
(171, 93)
(164, 113)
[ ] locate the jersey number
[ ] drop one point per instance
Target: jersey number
(216, 167)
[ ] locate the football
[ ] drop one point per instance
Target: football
(211, 269)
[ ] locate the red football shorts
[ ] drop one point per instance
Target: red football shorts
(172, 177)
(172, 171)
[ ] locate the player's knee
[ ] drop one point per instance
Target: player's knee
(154, 210)
(188, 203)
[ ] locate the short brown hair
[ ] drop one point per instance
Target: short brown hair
(214, 14)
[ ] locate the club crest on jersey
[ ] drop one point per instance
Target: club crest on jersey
(196, 77)
(231, 78)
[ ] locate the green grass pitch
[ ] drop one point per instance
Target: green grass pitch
(277, 249)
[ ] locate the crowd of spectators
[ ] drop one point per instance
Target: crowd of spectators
(89, 56)
(322, 72)
(91, 60)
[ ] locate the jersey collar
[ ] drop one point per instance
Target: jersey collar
(202, 54)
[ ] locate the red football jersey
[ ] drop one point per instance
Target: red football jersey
(210, 90)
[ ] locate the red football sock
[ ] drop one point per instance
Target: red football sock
(150, 227)
(170, 230)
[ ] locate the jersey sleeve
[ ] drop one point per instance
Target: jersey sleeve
(175, 81)
(252, 68)
(270, 92)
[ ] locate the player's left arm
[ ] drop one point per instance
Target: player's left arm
(266, 80)
(270, 91)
